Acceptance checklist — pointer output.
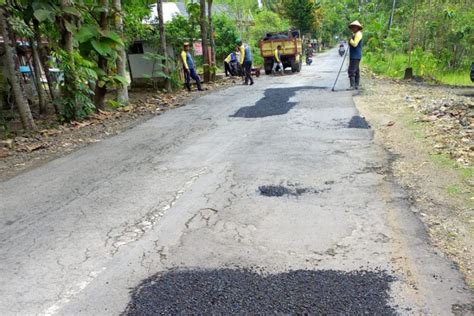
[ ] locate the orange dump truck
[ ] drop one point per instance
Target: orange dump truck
(292, 50)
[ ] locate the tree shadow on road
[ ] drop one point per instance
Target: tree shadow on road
(245, 291)
(274, 102)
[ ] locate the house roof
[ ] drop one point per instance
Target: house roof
(172, 9)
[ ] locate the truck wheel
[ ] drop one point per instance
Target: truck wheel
(268, 65)
(299, 66)
(294, 65)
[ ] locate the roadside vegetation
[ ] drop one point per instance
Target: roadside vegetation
(434, 39)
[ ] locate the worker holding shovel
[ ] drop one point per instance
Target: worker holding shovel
(355, 53)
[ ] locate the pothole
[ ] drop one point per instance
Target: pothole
(358, 122)
(280, 190)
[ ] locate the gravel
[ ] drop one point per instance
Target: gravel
(244, 291)
(358, 122)
(275, 102)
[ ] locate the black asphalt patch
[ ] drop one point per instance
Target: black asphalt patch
(274, 102)
(243, 291)
(280, 190)
(358, 122)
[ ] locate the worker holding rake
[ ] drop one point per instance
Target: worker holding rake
(355, 53)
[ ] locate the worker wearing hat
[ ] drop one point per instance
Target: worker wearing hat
(355, 53)
(245, 61)
(189, 68)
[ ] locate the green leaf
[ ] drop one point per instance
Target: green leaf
(114, 37)
(160, 74)
(70, 27)
(101, 48)
(101, 83)
(72, 11)
(86, 33)
(121, 80)
(42, 15)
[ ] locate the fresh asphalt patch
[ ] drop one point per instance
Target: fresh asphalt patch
(358, 122)
(280, 190)
(276, 101)
(245, 291)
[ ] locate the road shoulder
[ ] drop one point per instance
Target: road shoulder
(427, 131)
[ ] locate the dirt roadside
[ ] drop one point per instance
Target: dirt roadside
(21, 151)
(429, 130)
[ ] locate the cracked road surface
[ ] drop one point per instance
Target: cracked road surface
(182, 191)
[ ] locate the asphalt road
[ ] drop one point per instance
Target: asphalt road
(184, 191)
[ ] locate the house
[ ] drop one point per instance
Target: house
(141, 67)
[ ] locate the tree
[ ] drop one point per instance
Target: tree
(122, 89)
(212, 41)
(204, 36)
(302, 14)
(20, 100)
(37, 70)
(102, 63)
(226, 35)
(163, 47)
(43, 59)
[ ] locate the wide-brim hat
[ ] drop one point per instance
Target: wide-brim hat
(356, 23)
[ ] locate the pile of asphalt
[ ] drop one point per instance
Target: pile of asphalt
(358, 122)
(279, 190)
(275, 102)
(243, 291)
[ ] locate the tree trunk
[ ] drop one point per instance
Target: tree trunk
(42, 102)
(66, 43)
(20, 100)
(102, 62)
(213, 42)
(163, 47)
(66, 36)
(203, 23)
(390, 22)
(122, 90)
(409, 69)
(43, 59)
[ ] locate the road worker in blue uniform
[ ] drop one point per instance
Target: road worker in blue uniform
(230, 63)
(246, 61)
(355, 54)
(189, 68)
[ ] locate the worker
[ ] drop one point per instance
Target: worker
(229, 64)
(355, 54)
(189, 68)
(277, 60)
(246, 62)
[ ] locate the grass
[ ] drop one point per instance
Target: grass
(455, 78)
(454, 190)
(393, 65)
(416, 127)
